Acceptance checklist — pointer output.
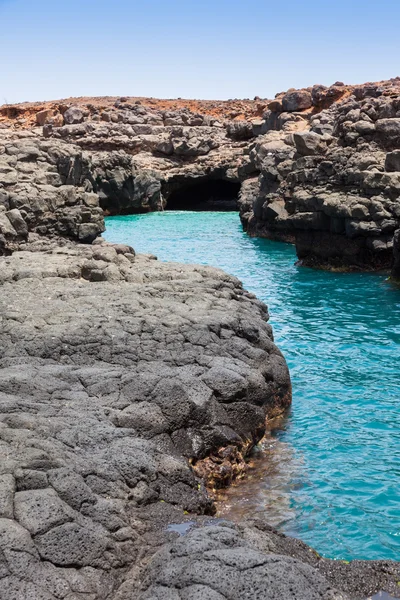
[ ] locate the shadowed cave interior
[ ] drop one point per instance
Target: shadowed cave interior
(213, 194)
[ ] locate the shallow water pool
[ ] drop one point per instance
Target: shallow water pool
(332, 477)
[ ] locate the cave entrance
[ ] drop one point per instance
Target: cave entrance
(213, 194)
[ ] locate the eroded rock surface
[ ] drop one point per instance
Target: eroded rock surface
(127, 384)
(329, 175)
(115, 371)
(318, 167)
(223, 561)
(124, 158)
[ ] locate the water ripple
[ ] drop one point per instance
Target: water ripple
(330, 474)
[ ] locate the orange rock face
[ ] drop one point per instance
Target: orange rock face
(29, 114)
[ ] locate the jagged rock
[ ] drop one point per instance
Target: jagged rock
(339, 196)
(396, 249)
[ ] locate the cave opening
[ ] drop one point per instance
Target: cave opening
(213, 194)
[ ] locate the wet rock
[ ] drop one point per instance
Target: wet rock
(396, 251)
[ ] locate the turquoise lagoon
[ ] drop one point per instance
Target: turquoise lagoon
(330, 473)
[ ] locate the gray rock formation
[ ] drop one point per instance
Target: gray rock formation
(396, 249)
(127, 160)
(115, 370)
(329, 181)
(126, 384)
(217, 563)
(45, 189)
(221, 561)
(320, 170)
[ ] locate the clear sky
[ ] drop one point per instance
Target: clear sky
(216, 49)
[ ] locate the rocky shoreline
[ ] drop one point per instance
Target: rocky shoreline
(317, 167)
(127, 384)
(330, 183)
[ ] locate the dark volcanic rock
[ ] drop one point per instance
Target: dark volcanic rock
(252, 560)
(296, 100)
(126, 384)
(331, 183)
(115, 370)
(73, 115)
(217, 563)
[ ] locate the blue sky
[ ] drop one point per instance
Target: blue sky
(192, 49)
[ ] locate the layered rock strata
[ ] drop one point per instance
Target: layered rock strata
(128, 156)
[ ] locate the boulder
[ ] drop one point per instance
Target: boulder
(392, 161)
(73, 115)
(296, 100)
(275, 106)
(388, 132)
(16, 220)
(43, 116)
(308, 143)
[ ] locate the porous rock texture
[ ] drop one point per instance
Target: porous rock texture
(318, 167)
(222, 561)
(115, 371)
(332, 186)
(126, 384)
(128, 155)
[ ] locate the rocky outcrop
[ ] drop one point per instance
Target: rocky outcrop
(45, 189)
(222, 561)
(117, 373)
(320, 169)
(127, 386)
(127, 158)
(329, 175)
(216, 562)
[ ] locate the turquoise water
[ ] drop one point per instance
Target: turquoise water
(336, 461)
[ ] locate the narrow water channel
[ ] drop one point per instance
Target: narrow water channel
(330, 473)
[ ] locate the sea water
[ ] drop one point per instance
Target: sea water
(330, 473)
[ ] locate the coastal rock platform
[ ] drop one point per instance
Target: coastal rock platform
(131, 388)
